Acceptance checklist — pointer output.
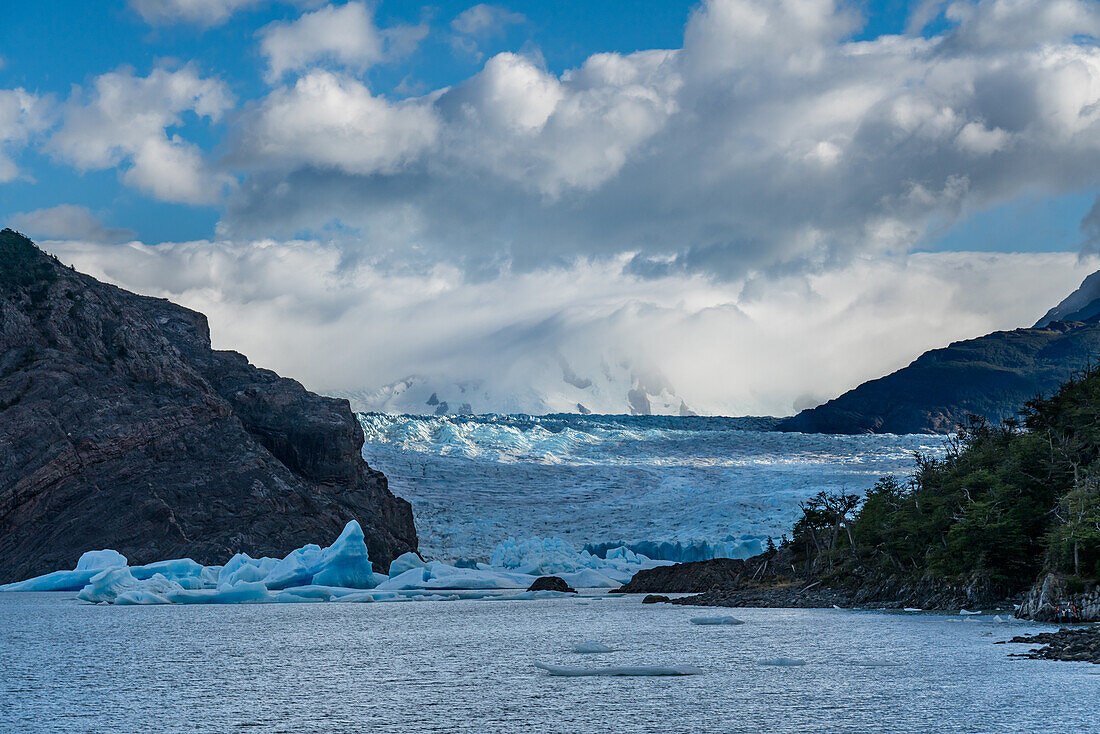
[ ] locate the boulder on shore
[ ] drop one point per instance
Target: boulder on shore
(694, 577)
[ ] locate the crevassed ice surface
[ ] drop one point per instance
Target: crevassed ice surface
(474, 481)
(469, 667)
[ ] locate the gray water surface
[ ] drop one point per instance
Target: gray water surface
(467, 666)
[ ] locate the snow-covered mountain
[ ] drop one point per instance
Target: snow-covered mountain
(550, 386)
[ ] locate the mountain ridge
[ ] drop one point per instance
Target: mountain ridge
(990, 376)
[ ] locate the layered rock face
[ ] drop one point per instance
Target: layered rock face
(1051, 600)
(120, 427)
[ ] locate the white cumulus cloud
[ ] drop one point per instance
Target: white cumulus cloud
(770, 142)
(22, 116)
(196, 12)
(126, 121)
(343, 35)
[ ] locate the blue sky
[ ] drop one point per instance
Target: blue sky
(823, 187)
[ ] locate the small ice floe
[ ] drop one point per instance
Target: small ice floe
(837, 607)
(912, 609)
(591, 646)
(619, 670)
(998, 619)
(965, 612)
(782, 662)
(716, 620)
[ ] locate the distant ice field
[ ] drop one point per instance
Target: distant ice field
(672, 487)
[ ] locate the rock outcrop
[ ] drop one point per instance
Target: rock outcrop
(120, 427)
(551, 583)
(1052, 600)
(686, 578)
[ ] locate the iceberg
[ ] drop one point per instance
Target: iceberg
(238, 593)
(716, 620)
(340, 572)
(101, 559)
(88, 565)
(592, 646)
(405, 562)
(619, 670)
(111, 585)
(345, 562)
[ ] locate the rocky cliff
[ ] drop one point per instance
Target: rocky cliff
(120, 427)
(1052, 599)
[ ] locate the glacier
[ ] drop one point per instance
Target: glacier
(342, 572)
(666, 487)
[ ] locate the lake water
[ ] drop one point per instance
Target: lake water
(468, 666)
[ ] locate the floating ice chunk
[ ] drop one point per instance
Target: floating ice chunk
(964, 612)
(345, 562)
(106, 585)
(716, 620)
(539, 556)
(997, 618)
(243, 567)
(438, 576)
(88, 566)
(140, 597)
(617, 670)
(590, 578)
(209, 576)
(591, 646)
(835, 606)
(112, 583)
(54, 581)
(176, 568)
(288, 596)
(404, 562)
(296, 569)
(324, 593)
(782, 662)
(101, 559)
(238, 593)
(912, 609)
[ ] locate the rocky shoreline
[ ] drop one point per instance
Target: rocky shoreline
(770, 580)
(1072, 644)
(724, 582)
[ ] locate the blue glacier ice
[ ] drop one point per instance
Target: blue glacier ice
(343, 572)
(404, 562)
(668, 488)
(345, 562)
(88, 565)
